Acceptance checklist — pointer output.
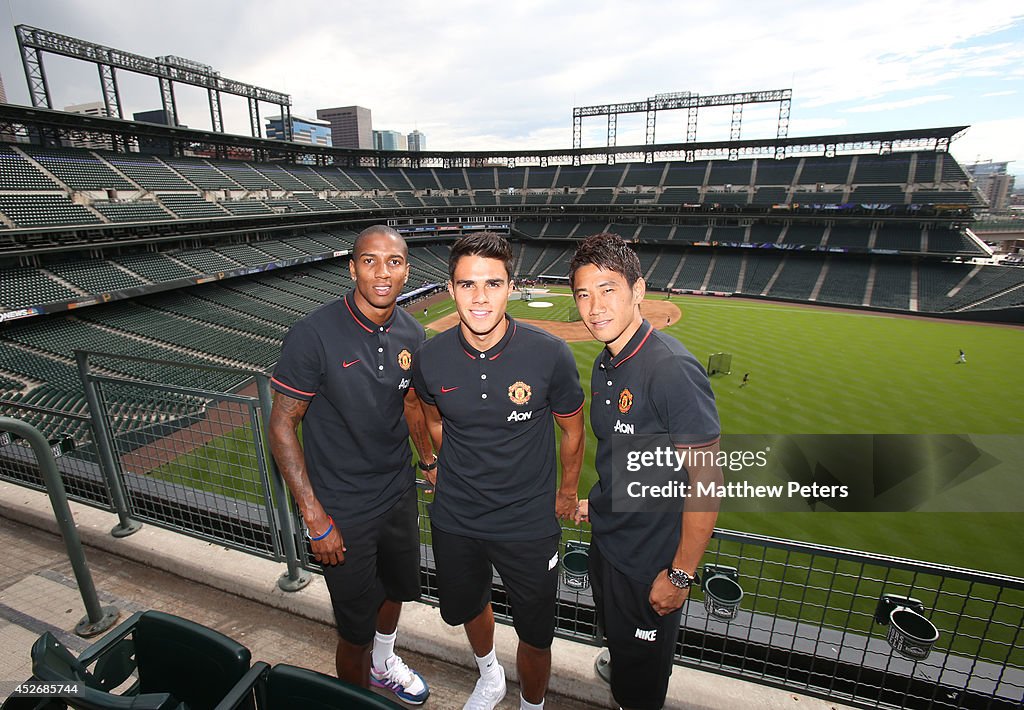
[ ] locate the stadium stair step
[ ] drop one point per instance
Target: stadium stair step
(38, 166)
(675, 274)
(999, 294)
(821, 280)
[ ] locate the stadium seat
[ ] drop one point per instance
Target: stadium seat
(175, 661)
(79, 169)
(287, 687)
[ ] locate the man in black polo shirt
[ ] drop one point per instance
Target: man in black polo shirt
(491, 387)
(644, 383)
(345, 374)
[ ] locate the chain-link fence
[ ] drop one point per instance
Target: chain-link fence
(77, 460)
(813, 618)
(188, 451)
(189, 454)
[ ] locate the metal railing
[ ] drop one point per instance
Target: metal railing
(188, 456)
(45, 452)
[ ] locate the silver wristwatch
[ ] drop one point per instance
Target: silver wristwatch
(681, 578)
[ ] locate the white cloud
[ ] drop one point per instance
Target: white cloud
(475, 71)
(894, 105)
(1008, 92)
(999, 140)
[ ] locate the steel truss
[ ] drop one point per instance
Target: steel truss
(33, 41)
(32, 122)
(692, 103)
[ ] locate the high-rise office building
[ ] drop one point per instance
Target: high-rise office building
(389, 140)
(158, 116)
(417, 141)
(351, 126)
(993, 181)
(3, 93)
(93, 108)
(304, 130)
(157, 146)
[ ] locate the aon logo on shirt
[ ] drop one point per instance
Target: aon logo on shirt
(519, 416)
(621, 428)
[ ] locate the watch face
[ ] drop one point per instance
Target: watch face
(680, 578)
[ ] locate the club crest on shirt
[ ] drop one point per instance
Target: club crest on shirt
(625, 400)
(519, 393)
(405, 359)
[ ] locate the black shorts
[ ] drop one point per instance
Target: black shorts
(382, 561)
(640, 642)
(529, 572)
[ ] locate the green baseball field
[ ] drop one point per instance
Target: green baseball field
(822, 371)
(816, 371)
(812, 371)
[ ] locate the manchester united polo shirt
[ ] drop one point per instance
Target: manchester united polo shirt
(497, 468)
(354, 373)
(653, 387)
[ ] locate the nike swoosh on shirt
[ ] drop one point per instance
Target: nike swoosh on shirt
(349, 364)
(446, 390)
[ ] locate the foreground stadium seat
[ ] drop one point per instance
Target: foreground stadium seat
(178, 663)
(286, 687)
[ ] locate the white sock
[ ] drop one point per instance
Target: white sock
(383, 649)
(488, 664)
(525, 704)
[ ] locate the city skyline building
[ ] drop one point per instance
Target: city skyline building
(311, 131)
(92, 108)
(351, 126)
(389, 140)
(160, 117)
(993, 181)
(417, 141)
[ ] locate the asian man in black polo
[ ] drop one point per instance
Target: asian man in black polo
(344, 374)
(644, 383)
(491, 388)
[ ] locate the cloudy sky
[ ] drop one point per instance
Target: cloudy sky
(478, 75)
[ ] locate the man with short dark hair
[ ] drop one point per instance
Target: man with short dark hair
(644, 383)
(491, 387)
(344, 374)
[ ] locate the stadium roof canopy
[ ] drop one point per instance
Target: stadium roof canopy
(48, 127)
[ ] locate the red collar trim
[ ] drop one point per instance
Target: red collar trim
(637, 349)
(359, 321)
(502, 344)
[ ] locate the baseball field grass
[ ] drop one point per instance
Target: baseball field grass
(816, 371)
(826, 371)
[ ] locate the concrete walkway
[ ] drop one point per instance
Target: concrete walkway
(237, 594)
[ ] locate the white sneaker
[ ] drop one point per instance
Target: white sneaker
(488, 692)
(407, 685)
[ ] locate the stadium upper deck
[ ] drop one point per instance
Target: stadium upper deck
(71, 188)
(82, 226)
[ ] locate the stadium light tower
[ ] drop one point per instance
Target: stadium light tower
(168, 70)
(692, 103)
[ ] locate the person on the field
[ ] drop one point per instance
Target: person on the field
(344, 374)
(746, 379)
(963, 358)
(644, 383)
(492, 388)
